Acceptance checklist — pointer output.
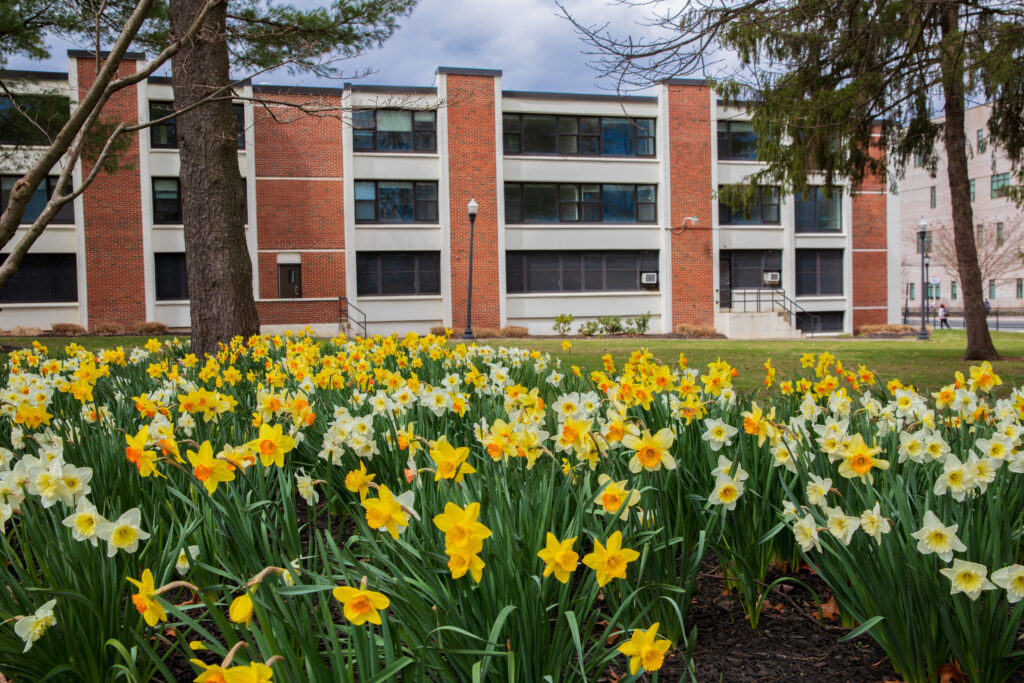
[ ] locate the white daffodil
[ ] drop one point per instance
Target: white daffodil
(1011, 579)
(805, 532)
(841, 526)
(935, 537)
(727, 491)
(874, 524)
(968, 578)
(817, 490)
(718, 434)
(124, 534)
(84, 522)
(31, 628)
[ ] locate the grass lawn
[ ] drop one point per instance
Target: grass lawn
(927, 364)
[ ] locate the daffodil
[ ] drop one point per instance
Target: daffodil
(842, 526)
(84, 522)
(645, 650)
(859, 460)
(32, 627)
(358, 481)
(123, 534)
(726, 492)
(615, 498)
(145, 600)
(1011, 579)
(805, 532)
(461, 529)
(650, 452)
(241, 608)
(450, 461)
(272, 444)
(386, 512)
(137, 453)
(559, 557)
(360, 605)
(610, 561)
(968, 578)
(874, 524)
(718, 434)
(935, 537)
(209, 470)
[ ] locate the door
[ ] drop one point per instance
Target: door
(725, 282)
(289, 279)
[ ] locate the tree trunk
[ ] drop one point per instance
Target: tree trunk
(979, 341)
(212, 201)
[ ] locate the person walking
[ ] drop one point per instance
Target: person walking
(988, 307)
(943, 316)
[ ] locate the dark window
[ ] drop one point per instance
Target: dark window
(823, 321)
(820, 211)
(952, 290)
(171, 276)
(981, 236)
(763, 210)
(747, 266)
(289, 281)
(37, 202)
(395, 201)
(590, 271)
(577, 135)
(42, 278)
(932, 197)
(819, 272)
(982, 142)
(393, 273)
(736, 140)
(974, 186)
(1000, 185)
(1020, 288)
(1000, 234)
(586, 203)
(32, 119)
(165, 135)
(394, 130)
(991, 289)
(166, 200)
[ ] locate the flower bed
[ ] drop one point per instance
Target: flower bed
(364, 510)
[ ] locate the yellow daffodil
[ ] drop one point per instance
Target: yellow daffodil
(271, 445)
(209, 470)
(859, 459)
(145, 600)
(385, 512)
(610, 561)
(559, 557)
(358, 481)
(645, 650)
(360, 605)
(650, 452)
(450, 461)
(241, 609)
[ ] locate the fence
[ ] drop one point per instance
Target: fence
(998, 319)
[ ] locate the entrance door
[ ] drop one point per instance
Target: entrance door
(289, 278)
(725, 281)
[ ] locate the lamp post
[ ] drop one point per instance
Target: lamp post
(472, 209)
(928, 285)
(922, 243)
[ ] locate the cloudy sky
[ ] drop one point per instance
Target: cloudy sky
(527, 39)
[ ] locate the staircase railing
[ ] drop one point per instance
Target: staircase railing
(773, 300)
(345, 308)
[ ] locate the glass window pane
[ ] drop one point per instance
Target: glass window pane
(805, 219)
(568, 144)
(829, 211)
(394, 130)
(618, 203)
(572, 273)
(540, 203)
(590, 145)
(569, 212)
(646, 213)
(362, 139)
(424, 141)
(163, 134)
(542, 272)
(365, 189)
(568, 124)
(539, 134)
(395, 202)
(426, 191)
(645, 127)
(514, 271)
(362, 118)
(645, 193)
(365, 210)
(742, 140)
(617, 137)
(424, 120)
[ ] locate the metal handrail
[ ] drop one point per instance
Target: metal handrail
(769, 298)
(343, 313)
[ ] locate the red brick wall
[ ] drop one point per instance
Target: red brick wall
(300, 214)
(323, 274)
(472, 172)
(870, 251)
(692, 256)
(291, 143)
(296, 312)
(114, 257)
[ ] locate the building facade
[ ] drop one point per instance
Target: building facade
(999, 225)
(589, 205)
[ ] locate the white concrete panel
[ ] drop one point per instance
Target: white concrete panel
(172, 313)
(767, 237)
(395, 100)
(395, 166)
(398, 238)
(401, 314)
(38, 315)
(541, 237)
(610, 107)
(735, 172)
(166, 163)
(56, 239)
(166, 239)
(537, 311)
(555, 169)
(159, 91)
(824, 303)
(822, 241)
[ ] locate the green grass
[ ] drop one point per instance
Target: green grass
(928, 365)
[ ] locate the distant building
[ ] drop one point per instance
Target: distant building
(998, 224)
(589, 204)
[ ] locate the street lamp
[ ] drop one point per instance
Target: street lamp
(922, 244)
(928, 285)
(472, 208)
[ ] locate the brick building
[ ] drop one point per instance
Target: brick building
(591, 205)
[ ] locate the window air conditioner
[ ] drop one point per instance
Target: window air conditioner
(648, 278)
(772, 278)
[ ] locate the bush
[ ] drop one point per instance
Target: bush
(20, 331)
(871, 330)
(514, 332)
(67, 329)
(438, 330)
(563, 323)
(486, 332)
(611, 324)
(589, 328)
(150, 327)
(109, 328)
(641, 323)
(696, 331)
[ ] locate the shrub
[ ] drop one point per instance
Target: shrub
(150, 327)
(870, 330)
(514, 332)
(589, 328)
(611, 324)
(67, 329)
(696, 331)
(20, 331)
(438, 330)
(486, 332)
(563, 323)
(109, 328)
(641, 323)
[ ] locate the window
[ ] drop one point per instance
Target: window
(171, 276)
(991, 289)
(819, 272)
(912, 288)
(820, 211)
(1000, 185)
(166, 200)
(763, 210)
(586, 203)
(289, 281)
(746, 267)
(736, 140)
(42, 278)
(37, 202)
(32, 119)
(982, 142)
(395, 201)
(577, 135)
(820, 321)
(579, 271)
(394, 130)
(974, 185)
(918, 160)
(931, 197)
(1000, 234)
(1020, 288)
(981, 236)
(394, 273)
(952, 290)
(934, 291)
(165, 135)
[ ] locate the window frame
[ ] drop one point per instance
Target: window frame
(814, 193)
(58, 116)
(64, 216)
(182, 275)
(413, 130)
(974, 187)
(237, 108)
(798, 270)
(156, 221)
(726, 215)
(932, 197)
(991, 289)
(952, 290)
(583, 205)
(1000, 185)
(417, 204)
(53, 262)
(419, 269)
(982, 141)
(728, 154)
(597, 139)
(580, 259)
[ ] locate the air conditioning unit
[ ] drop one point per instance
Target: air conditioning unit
(648, 278)
(772, 278)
